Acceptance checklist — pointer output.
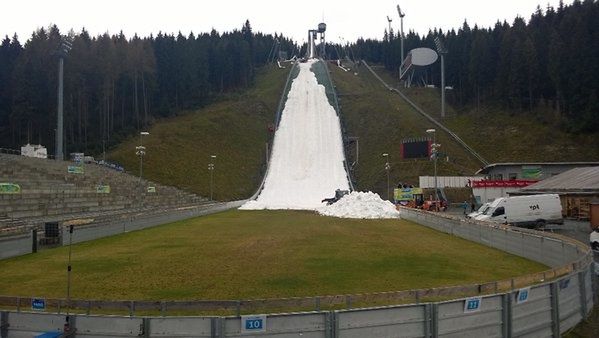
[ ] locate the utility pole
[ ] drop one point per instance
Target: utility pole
(434, 155)
(63, 50)
(211, 169)
(387, 168)
(141, 152)
(390, 32)
(67, 325)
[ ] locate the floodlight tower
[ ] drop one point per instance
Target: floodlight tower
(390, 32)
(65, 46)
(442, 51)
(401, 15)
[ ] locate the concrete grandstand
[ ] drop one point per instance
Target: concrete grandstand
(49, 193)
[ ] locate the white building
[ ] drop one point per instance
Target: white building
(34, 150)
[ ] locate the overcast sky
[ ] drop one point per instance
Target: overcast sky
(346, 19)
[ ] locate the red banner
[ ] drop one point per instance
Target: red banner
(502, 183)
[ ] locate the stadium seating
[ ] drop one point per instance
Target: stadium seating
(49, 193)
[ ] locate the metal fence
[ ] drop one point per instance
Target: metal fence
(22, 244)
(548, 310)
(544, 309)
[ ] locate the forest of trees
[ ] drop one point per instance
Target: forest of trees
(115, 86)
(550, 62)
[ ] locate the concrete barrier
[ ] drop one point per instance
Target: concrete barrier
(17, 245)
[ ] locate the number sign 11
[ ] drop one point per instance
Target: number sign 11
(472, 304)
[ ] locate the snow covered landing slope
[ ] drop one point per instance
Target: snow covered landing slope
(307, 157)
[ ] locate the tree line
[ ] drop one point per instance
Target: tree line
(550, 62)
(115, 86)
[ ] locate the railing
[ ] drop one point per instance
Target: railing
(292, 74)
(330, 89)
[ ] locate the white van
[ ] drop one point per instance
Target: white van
(531, 211)
(480, 211)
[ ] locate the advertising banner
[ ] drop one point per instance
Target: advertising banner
(73, 169)
(10, 188)
(406, 194)
(103, 189)
(531, 172)
(502, 183)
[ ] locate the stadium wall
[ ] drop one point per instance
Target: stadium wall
(549, 308)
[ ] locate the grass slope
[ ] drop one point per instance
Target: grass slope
(507, 136)
(381, 120)
(234, 129)
(255, 254)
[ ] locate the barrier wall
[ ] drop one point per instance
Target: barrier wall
(544, 309)
(18, 245)
(549, 310)
(12, 246)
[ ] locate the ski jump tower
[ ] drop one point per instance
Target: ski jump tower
(312, 38)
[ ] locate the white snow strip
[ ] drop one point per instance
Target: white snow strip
(306, 165)
(360, 205)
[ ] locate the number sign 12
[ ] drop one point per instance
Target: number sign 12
(253, 323)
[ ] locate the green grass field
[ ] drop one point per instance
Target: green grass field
(256, 254)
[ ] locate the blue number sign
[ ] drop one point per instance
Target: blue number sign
(472, 304)
(522, 295)
(253, 323)
(38, 304)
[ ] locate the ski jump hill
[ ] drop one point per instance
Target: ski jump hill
(307, 162)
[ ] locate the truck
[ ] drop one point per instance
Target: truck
(534, 211)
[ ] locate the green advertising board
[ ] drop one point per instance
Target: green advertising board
(406, 194)
(103, 189)
(73, 169)
(10, 188)
(152, 189)
(532, 172)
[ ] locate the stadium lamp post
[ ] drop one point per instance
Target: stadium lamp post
(211, 169)
(434, 155)
(442, 51)
(401, 16)
(387, 168)
(140, 151)
(63, 50)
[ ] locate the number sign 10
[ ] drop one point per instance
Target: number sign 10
(253, 323)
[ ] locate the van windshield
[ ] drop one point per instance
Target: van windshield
(483, 208)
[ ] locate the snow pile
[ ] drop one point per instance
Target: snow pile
(307, 157)
(360, 205)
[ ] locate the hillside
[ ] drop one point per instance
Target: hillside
(507, 136)
(235, 129)
(381, 120)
